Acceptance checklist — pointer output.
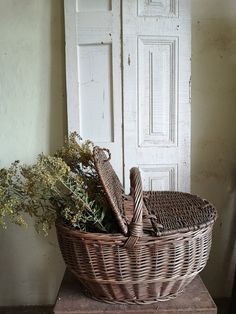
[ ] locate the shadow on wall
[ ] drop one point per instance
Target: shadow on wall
(214, 139)
(58, 113)
(57, 131)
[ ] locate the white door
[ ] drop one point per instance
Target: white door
(149, 42)
(156, 54)
(93, 73)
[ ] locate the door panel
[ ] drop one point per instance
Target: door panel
(93, 59)
(157, 101)
(156, 52)
(95, 88)
(153, 42)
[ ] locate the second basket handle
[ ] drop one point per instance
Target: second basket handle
(136, 225)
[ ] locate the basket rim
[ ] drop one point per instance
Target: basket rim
(119, 238)
(79, 233)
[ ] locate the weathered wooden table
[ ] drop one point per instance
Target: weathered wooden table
(196, 299)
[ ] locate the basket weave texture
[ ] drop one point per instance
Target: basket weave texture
(164, 242)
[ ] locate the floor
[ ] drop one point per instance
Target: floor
(27, 310)
(222, 305)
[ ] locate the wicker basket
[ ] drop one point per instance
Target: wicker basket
(164, 243)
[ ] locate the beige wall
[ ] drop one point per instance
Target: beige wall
(32, 120)
(214, 129)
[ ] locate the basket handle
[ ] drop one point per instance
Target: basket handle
(136, 225)
(106, 151)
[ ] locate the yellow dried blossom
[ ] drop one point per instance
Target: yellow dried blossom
(64, 186)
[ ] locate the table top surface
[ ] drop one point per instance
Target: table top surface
(195, 299)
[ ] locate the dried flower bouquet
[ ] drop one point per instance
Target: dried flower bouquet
(63, 186)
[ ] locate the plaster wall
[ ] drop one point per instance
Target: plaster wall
(213, 130)
(33, 119)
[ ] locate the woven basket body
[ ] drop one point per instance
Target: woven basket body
(156, 269)
(165, 243)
